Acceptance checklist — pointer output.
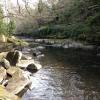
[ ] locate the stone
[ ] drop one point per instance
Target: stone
(11, 40)
(18, 82)
(6, 95)
(17, 41)
(40, 48)
(5, 63)
(33, 67)
(24, 63)
(36, 53)
(12, 70)
(5, 82)
(13, 37)
(3, 55)
(40, 56)
(2, 74)
(14, 57)
(39, 66)
(26, 57)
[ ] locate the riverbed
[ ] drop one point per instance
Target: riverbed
(67, 74)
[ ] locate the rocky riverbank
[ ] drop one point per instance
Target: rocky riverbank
(16, 69)
(67, 43)
(64, 43)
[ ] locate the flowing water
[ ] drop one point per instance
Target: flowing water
(67, 74)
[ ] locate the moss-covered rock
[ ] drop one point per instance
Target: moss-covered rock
(16, 41)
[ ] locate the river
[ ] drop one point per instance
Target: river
(67, 74)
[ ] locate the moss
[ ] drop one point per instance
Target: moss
(17, 41)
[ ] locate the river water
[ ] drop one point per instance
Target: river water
(67, 74)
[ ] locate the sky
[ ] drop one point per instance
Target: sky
(21, 2)
(32, 3)
(14, 2)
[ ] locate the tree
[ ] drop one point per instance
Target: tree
(11, 27)
(40, 6)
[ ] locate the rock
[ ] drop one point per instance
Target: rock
(22, 81)
(3, 38)
(34, 67)
(40, 48)
(13, 37)
(24, 63)
(6, 95)
(5, 82)
(29, 64)
(65, 46)
(3, 55)
(98, 54)
(26, 50)
(17, 41)
(39, 66)
(39, 56)
(14, 57)
(57, 45)
(5, 63)
(36, 53)
(26, 57)
(12, 70)
(2, 74)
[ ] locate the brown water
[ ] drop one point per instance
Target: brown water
(67, 74)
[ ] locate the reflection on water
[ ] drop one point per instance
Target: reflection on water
(67, 74)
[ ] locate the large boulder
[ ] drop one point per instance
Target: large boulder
(14, 57)
(2, 74)
(18, 82)
(5, 63)
(24, 63)
(6, 95)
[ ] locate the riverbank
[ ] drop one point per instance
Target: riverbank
(64, 43)
(16, 66)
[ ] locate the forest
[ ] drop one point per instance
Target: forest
(75, 19)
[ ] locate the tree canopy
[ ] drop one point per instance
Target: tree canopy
(77, 19)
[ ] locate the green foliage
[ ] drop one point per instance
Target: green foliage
(81, 19)
(40, 6)
(77, 19)
(5, 28)
(1, 21)
(11, 27)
